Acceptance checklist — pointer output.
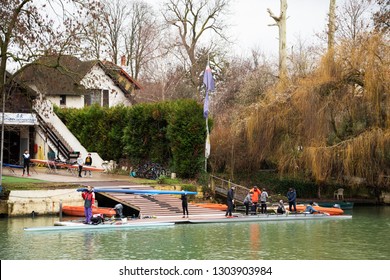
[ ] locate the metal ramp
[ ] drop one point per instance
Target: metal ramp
(155, 205)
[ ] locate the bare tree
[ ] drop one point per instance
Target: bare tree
(115, 14)
(382, 17)
(27, 32)
(195, 20)
(95, 35)
(142, 38)
(353, 19)
(280, 22)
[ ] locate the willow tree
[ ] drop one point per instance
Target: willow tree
(280, 22)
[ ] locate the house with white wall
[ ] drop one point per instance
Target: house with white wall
(68, 82)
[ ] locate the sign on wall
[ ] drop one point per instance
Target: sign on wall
(19, 119)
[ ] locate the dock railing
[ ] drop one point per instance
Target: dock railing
(221, 186)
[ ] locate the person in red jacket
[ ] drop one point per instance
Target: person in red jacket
(89, 200)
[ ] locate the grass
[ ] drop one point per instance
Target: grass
(11, 183)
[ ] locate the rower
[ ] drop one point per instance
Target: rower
(310, 209)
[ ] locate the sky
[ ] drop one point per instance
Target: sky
(249, 23)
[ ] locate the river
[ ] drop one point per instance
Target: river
(364, 237)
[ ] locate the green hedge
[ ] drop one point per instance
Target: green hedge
(168, 133)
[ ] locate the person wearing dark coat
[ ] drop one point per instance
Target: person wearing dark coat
(292, 196)
(230, 202)
(184, 204)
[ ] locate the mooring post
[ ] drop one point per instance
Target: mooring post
(60, 210)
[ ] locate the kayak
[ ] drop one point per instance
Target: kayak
(66, 226)
(78, 211)
(215, 206)
(270, 218)
(329, 210)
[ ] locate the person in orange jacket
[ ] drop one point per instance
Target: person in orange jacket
(89, 200)
(255, 198)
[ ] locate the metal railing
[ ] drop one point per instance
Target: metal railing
(221, 186)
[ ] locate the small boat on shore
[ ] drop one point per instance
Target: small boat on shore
(345, 205)
(216, 206)
(329, 210)
(78, 211)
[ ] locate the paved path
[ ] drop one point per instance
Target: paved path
(63, 176)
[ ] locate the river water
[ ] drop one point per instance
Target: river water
(364, 237)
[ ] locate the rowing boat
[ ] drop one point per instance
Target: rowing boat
(270, 217)
(65, 226)
(329, 210)
(78, 211)
(216, 206)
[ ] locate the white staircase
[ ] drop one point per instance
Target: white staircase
(45, 110)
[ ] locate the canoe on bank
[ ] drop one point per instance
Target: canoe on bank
(78, 211)
(330, 210)
(66, 226)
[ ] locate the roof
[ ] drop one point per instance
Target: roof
(62, 75)
(119, 74)
(57, 75)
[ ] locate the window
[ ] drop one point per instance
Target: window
(94, 97)
(63, 100)
(105, 98)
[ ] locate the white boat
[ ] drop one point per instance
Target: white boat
(271, 217)
(65, 226)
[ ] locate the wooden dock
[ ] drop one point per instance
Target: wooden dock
(156, 205)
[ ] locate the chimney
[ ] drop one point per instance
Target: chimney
(123, 60)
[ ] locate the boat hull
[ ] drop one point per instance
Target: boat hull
(78, 211)
(330, 210)
(70, 226)
(271, 218)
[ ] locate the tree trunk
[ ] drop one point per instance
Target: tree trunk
(331, 24)
(281, 24)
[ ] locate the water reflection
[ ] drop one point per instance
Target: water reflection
(362, 237)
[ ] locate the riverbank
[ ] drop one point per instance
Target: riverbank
(53, 189)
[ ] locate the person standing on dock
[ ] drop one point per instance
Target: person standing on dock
(89, 200)
(255, 198)
(230, 202)
(248, 202)
(184, 204)
(292, 197)
(80, 163)
(88, 162)
(26, 162)
(263, 201)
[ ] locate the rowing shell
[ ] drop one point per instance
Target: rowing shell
(272, 217)
(140, 192)
(65, 226)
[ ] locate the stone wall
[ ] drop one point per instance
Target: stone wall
(44, 202)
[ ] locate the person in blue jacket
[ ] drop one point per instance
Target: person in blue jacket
(310, 209)
(292, 197)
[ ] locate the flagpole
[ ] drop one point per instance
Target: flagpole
(208, 81)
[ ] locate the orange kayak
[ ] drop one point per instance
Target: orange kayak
(329, 210)
(215, 206)
(78, 211)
